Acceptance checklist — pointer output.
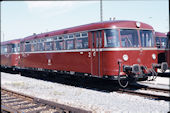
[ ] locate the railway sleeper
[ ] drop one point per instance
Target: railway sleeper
(11, 101)
(18, 103)
(33, 109)
(8, 98)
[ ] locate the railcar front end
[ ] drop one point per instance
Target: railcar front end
(130, 53)
(162, 46)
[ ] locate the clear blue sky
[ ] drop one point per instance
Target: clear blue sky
(23, 18)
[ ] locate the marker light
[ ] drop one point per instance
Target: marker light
(125, 57)
(153, 56)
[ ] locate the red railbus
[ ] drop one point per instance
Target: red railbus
(10, 54)
(119, 50)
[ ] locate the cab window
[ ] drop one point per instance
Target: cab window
(129, 38)
(146, 38)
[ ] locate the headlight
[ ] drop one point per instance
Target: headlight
(125, 57)
(153, 56)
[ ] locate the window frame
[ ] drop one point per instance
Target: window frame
(81, 37)
(130, 41)
(153, 39)
(105, 44)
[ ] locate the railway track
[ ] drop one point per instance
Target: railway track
(157, 89)
(145, 87)
(13, 102)
(133, 91)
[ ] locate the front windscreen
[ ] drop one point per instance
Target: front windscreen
(111, 38)
(146, 38)
(129, 38)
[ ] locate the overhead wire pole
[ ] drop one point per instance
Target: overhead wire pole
(101, 11)
(3, 36)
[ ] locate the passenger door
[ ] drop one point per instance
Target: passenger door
(96, 54)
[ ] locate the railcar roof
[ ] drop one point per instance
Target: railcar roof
(91, 26)
(160, 34)
(15, 41)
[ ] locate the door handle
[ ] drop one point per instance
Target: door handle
(89, 54)
(94, 53)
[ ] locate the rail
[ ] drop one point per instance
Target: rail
(15, 102)
(133, 91)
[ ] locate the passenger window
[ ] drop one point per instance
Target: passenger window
(71, 36)
(77, 35)
(158, 42)
(49, 46)
(40, 46)
(55, 37)
(82, 41)
(65, 36)
(4, 49)
(84, 34)
(14, 48)
(70, 44)
(27, 47)
(34, 47)
(163, 42)
(59, 45)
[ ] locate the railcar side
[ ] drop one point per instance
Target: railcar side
(115, 49)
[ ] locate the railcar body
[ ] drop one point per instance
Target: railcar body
(10, 54)
(161, 43)
(111, 49)
(168, 50)
(162, 46)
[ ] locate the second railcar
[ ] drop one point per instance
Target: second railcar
(162, 47)
(161, 43)
(10, 56)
